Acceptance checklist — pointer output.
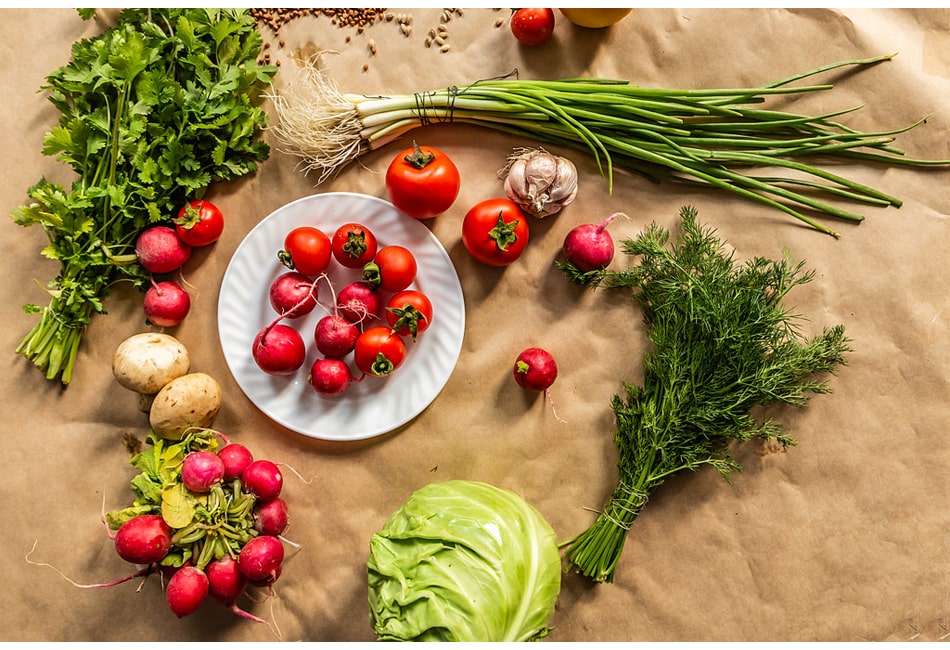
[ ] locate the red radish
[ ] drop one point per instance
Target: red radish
(279, 349)
(263, 479)
(335, 335)
(235, 458)
(330, 377)
(261, 557)
(590, 247)
(166, 304)
(225, 582)
(186, 590)
(160, 250)
(293, 294)
(201, 470)
(535, 370)
(358, 302)
(269, 580)
(143, 539)
(271, 517)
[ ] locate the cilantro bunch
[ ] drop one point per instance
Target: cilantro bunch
(152, 111)
(723, 344)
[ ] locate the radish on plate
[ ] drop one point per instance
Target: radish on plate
(330, 376)
(358, 302)
(293, 294)
(335, 335)
(279, 349)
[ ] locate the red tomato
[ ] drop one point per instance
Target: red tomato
(422, 182)
(354, 245)
(393, 269)
(306, 250)
(495, 232)
(532, 26)
(379, 351)
(409, 313)
(199, 223)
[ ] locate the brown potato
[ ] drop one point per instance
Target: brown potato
(145, 362)
(190, 401)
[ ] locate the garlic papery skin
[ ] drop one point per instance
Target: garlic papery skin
(539, 182)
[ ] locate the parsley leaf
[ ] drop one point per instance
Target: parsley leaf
(152, 111)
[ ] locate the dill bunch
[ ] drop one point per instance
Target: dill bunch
(721, 343)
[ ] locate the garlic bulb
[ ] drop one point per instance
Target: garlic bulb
(540, 183)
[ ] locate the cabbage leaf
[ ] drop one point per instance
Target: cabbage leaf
(463, 561)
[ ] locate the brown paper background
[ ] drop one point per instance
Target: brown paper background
(842, 538)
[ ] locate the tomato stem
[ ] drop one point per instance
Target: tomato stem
(419, 158)
(504, 232)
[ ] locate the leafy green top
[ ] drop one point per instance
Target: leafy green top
(722, 344)
(152, 111)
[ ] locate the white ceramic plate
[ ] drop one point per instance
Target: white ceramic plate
(375, 405)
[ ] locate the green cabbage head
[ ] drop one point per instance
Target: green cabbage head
(463, 561)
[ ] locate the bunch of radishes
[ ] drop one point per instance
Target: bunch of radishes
(369, 323)
(210, 519)
(164, 249)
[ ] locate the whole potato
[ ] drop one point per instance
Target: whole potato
(189, 401)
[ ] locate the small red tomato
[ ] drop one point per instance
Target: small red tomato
(495, 232)
(409, 313)
(423, 182)
(306, 250)
(379, 351)
(532, 26)
(199, 223)
(393, 269)
(354, 245)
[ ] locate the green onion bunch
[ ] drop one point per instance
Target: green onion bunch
(710, 137)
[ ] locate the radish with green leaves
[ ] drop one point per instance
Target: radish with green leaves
(271, 517)
(235, 457)
(261, 558)
(588, 250)
(186, 590)
(144, 539)
(202, 470)
(263, 479)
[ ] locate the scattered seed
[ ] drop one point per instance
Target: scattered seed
(445, 48)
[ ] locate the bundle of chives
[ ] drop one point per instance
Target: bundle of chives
(710, 137)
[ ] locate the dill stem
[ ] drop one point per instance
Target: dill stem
(595, 552)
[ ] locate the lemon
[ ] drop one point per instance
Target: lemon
(595, 18)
